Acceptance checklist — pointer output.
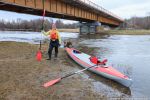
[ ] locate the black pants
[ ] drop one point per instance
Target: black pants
(53, 44)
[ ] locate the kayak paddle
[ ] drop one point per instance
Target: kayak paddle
(52, 82)
(39, 53)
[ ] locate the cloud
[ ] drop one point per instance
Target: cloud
(109, 4)
(9, 16)
(128, 11)
(126, 8)
(68, 22)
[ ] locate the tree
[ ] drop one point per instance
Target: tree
(34, 25)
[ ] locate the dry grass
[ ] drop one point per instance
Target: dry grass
(22, 77)
(69, 30)
(127, 32)
(114, 32)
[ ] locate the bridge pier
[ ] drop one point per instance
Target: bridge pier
(89, 28)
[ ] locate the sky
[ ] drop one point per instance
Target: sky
(123, 8)
(127, 8)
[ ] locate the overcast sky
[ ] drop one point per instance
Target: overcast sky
(127, 8)
(122, 8)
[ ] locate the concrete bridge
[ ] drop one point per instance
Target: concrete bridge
(79, 10)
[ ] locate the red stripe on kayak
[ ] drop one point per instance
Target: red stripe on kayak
(109, 70)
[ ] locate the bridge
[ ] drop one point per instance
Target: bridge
(78, 10)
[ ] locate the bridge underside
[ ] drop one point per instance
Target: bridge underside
(59, 9)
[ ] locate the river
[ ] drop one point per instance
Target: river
(129, 54)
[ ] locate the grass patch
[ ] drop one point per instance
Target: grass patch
(69, 30)
(127, 32)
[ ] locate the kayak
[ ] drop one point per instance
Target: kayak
(106, 71)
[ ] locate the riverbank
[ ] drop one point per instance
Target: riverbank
(22, 76)
(113, 32)
(69, 30)
(109, 32)
(126, 32)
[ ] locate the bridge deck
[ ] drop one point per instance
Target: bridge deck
(67, 9)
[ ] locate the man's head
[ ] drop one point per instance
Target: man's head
(53, 26)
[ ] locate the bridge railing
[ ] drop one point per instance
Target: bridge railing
(90, 3)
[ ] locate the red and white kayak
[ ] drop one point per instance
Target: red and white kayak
(106, 71)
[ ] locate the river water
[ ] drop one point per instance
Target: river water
(30, 37)
(129, 54)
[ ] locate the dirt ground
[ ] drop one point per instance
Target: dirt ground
(22, 77)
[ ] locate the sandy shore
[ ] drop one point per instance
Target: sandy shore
(22, 77)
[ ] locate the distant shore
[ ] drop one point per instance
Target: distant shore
(110, 32)
(113, 32)
(126, 32)
(69, 30)
(30, 30)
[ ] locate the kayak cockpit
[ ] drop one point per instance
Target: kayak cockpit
(76, 52)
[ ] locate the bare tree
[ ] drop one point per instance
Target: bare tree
(34, 25)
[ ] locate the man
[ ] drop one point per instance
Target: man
(55, 41)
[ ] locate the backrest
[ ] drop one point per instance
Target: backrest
(94, 60)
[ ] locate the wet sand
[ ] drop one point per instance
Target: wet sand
(22, 77)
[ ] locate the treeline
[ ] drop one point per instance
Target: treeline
(33, 25)
(36, 24)
(137, 23)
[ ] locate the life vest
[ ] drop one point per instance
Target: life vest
(53, 35)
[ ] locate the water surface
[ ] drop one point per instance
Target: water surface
(129, 54)
(31, 37)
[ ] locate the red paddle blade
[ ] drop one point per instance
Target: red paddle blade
(39, 56)
(52, 82)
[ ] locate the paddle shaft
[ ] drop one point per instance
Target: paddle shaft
(40, 45)
(52, 82)
(42, 27)
(77, 72)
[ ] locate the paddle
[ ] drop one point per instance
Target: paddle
(39, 53)
(52, 82)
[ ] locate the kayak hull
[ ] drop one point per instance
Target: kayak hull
(122, 79)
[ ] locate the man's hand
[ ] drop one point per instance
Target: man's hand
(43, 32)
(59, 45)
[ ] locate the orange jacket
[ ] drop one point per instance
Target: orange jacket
(51, 32)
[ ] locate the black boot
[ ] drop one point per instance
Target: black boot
(48, 59)
(50, 52)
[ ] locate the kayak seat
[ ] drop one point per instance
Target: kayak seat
(95, 60)
(76, 52)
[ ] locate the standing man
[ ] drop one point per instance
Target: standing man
(55, 41)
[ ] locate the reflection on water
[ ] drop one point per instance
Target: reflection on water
(128, 54)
